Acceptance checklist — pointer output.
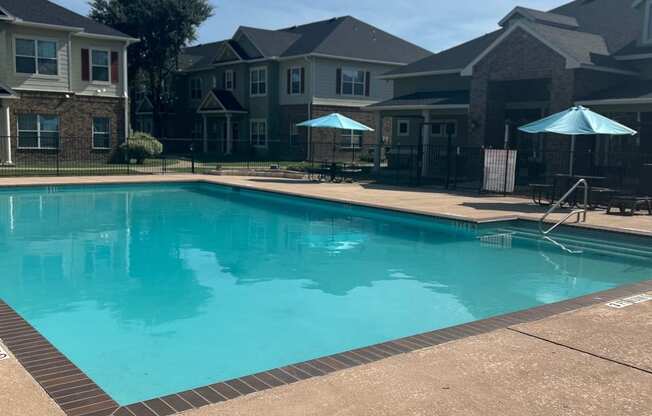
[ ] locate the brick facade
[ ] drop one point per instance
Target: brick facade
(520, 56)
(75, 125)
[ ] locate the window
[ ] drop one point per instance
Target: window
(197, 129)
(353, 82)
(36, 57)
(258, 81)
(101, 133)
(259, 133)
(195, 89)
(228, 80)
(37, 131)
(294, 134)
(403, 128)
(100, 66)
(351, 139)
(443, 128)
(296, 81)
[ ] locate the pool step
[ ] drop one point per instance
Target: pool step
(580, 243)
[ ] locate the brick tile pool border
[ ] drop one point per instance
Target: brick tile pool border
(77, 395)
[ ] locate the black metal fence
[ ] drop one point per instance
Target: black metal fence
(451, 167)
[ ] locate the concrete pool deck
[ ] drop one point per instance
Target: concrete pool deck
(467, 206)
(590, 361)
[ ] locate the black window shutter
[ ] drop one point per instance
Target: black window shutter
(233, 76)
(224, 80)
(338, 81)
(367, 87)
(303, 80)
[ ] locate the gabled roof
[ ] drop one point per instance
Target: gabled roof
(220, 101)
(604, 27)
(48, 13)
(6, 92)
(541, 17)
(345, 37)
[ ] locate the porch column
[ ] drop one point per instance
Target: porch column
(7, 134)
(229, 135)
(379, 142)
(205, 132)
(425, 139)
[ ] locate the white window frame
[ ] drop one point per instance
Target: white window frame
(36, 40)
(259, 70)
(197, 131)
(647, 28)
(38, 132)
(292, 91)
(351, 134)
(192, 89)
(440, 133)
(258, 121)
(107, 133)
(398, 128)
(108, 66)
(228, 80)
(353, 83)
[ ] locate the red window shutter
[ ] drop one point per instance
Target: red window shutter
(367, 87)
(338, 81)
(85, 65)
(115, 68)
(303, 80)
(289, 81)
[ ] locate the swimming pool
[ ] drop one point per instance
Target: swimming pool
(154, 289)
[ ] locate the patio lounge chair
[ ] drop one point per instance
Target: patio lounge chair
(629, 205)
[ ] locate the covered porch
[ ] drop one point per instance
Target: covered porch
(223, 121)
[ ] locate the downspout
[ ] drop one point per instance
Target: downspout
(125, 89)
(313, 77)
(70, 62)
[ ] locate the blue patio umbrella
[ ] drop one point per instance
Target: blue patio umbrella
(577, 121)
(335, 121)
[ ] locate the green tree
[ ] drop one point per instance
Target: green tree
(164, 27)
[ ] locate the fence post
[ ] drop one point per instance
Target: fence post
(192, 157)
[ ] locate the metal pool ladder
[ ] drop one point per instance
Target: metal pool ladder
(581, 213)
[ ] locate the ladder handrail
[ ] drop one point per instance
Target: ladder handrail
(581, 213)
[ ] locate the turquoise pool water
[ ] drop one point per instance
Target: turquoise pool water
(154, 289)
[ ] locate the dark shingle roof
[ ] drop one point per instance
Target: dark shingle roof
(228, 100)
(546, 17)
(346, 36)
(605, 27)
(439, 98)
(637, 90)
(43, 11)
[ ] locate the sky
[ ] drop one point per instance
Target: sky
(433, 24)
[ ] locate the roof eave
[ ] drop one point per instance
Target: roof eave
(77, 31)
(616, 101)
(419, 107)
(421, 74)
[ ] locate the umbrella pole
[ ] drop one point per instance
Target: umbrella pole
(572, 156)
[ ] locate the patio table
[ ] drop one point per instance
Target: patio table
(572, 179)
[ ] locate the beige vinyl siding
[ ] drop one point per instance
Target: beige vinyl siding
(325, 80)
(304, 98)
(91, 87)
(34, 82)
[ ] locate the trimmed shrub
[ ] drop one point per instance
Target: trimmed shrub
(140, 146)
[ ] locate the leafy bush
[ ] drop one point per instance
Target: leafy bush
(141, 146)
